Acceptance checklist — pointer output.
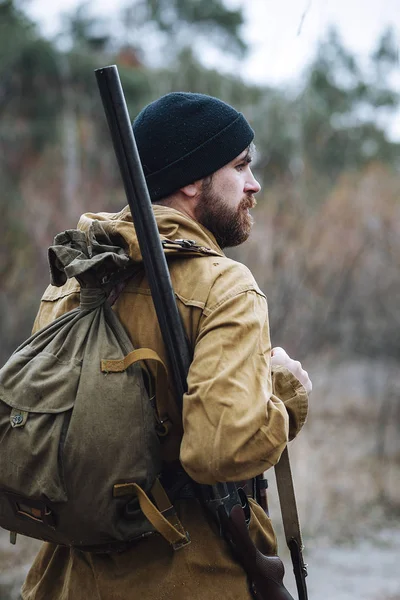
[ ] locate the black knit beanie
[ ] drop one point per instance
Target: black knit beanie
(183, 137)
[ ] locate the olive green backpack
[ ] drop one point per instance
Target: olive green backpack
(79, 433)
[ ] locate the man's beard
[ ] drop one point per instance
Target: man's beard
(231, 227)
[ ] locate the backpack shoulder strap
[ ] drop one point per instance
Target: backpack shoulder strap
(161, 514)
(161, 379)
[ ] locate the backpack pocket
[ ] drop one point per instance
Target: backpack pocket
(35, 407)
(31, 448)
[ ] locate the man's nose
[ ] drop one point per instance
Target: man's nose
(252, 185)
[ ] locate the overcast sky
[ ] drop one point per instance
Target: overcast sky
(285, 32)
(282, 33)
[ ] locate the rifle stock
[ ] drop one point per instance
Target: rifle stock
(265, 572)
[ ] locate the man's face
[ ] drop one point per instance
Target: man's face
(225, 200)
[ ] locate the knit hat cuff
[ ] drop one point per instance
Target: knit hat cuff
(204, 160)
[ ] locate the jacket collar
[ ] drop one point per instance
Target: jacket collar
(172, 225)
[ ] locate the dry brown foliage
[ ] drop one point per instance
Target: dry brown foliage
(329, 266)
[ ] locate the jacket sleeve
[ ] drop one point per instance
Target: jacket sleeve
(292, 393)
(234, 426)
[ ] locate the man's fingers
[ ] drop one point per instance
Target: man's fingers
(279, 357)
(276, 350)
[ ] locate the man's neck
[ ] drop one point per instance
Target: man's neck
(183, 205)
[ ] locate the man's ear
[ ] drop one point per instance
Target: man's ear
(192, 189)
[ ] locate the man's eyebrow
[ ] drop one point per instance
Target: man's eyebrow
(248, 157)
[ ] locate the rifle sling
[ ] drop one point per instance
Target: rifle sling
(291, 523)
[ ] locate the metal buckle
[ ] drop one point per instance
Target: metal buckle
(182, 543)
(186, 243)
(181, 243)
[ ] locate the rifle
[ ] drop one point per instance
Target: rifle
(265, 573)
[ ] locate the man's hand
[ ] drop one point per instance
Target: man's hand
(280, 358)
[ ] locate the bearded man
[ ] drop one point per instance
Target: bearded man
(244, 400)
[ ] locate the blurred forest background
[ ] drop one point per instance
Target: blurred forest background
(326, 244)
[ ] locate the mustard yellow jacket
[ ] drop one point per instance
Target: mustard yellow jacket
(237, 419)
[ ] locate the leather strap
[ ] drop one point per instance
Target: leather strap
(291, 523)
(287, 499)
(164, 519)
(167, 509)
(161, 379)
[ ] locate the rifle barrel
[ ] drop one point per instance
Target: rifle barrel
(172, 330)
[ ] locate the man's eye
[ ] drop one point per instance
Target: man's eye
(240, 167)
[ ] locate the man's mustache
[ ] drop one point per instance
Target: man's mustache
(248, 202)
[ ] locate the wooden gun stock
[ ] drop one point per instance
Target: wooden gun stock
(265, 572)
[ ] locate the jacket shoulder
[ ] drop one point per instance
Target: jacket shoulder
(232, 278)
(208, 281)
